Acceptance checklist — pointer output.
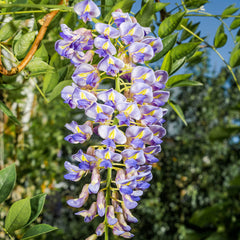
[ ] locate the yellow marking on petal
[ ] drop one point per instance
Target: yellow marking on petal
(105, 45)
(101, 206)
(99, 109)
(159, 78)
(129, 109)
(110, 61)
(144, 76)
(151, 113)
(79, 130)
(106, 31)
(140, 135)
(84, 74)
(143, 92)
(135, 156)
(142, 50)
(107, 155)
(111, 96)
(87, 8)
(131, 32)
(112, 134)
(83, 158)
(83, 96)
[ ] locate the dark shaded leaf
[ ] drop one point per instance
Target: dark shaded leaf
(50, 81)
(8, 112)
(7, 181)
(235, 23)
(167, 62)
(145, 15)
(57, 90)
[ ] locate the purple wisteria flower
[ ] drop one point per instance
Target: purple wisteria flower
(110, 65)
(87, 10)
(126, 123)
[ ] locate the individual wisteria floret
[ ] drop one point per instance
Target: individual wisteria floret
(125, 122)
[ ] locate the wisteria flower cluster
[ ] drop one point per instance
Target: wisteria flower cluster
(128, 118)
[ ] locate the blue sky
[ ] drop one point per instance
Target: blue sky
(209, 25)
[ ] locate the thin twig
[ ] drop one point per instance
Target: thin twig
(46, 21)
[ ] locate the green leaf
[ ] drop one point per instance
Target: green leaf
(145, 15)
(23, 44)
(170, 24)
(220, 38)
(229, 10)
(183, 50)
(70, 19)
(7, 181)
(36, 203)
(238, 36)
(8, 112)
(158, 6)
(167, 62)
(18, 215)
(177, 109)
(38, 230)
(42, 53)
(168, 43)
(235, 23)
(187, 83)
(177, 65)
(8, 30)
(57, 90)
(38, 66)
(195, 3)
(235, 56)
(50, 81)
(177, 78)
(125, 5)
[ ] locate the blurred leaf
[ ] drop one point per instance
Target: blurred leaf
(167, 62)
(158, 6)
(50, 81)
(38, 230)
(23, 44)
(38, 66)
(183, 50)
(177, 109)
(8, 29)
(18, 215)
(195, 3)
(217, 236)
(8, 112)
(177, 65)
(229, 10)
(7, 181)
(220, 38)
(170, 24)
(168, 43)
(145, 15)
(196, 58)
(206, 216)
(42, 53)
(70, 20)
(222, 132)
(235, 56)
(235, 23)
(57, 90)
(37, 203)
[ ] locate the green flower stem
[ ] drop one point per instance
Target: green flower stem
(108, 192)
(202, 14)
(216, 51)
(117, 84)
